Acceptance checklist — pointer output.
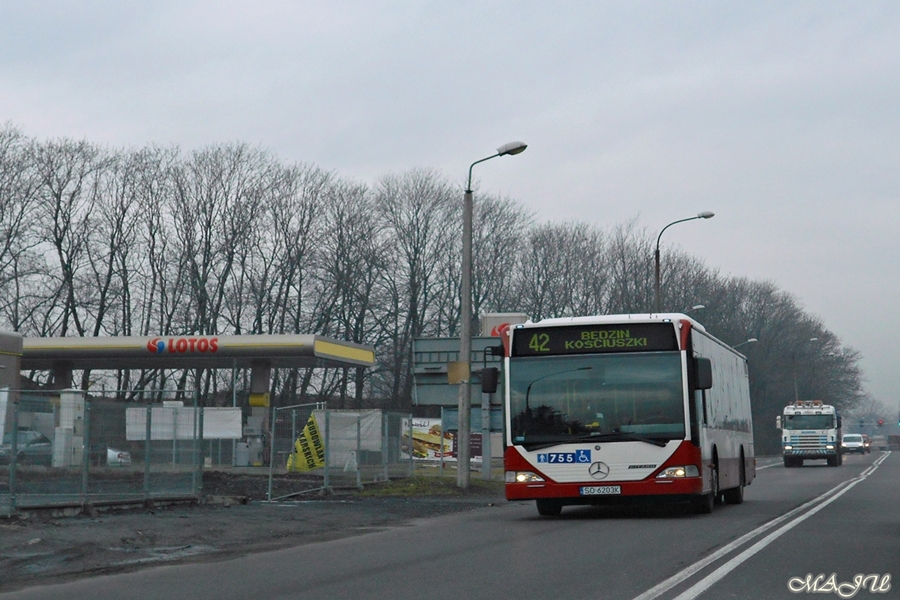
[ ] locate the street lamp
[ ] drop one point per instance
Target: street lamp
(465, 323)
(794, 362)
(704, 215)
(750, 341)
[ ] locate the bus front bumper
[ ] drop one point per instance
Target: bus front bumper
(590, 492)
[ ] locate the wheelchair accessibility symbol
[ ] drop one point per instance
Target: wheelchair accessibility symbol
(577, 457)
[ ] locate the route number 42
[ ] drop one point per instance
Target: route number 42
(540, 342)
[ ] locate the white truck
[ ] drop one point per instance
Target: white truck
(810, 430)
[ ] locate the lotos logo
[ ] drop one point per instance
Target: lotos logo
(182, 345)
(499, 330)
(502, 331)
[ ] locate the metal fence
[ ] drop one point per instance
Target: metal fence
(341, 448)
(73, 449)
(77, 449)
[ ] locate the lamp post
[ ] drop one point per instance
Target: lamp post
(794, 361)
(704, 215)
(749, 341)
(463, 459)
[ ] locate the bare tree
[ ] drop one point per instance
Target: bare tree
(96, 242)
(282, 270)
(500, 229)
(219, 195)
(415, 209)
(68, 175)
(563, 271)
(353, 261)
(630, 260)
(18, 238)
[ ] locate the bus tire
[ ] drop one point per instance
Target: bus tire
(704, 504)
(548, 508)
(736, 495)
(718, 498)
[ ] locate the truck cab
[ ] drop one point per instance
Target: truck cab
(810, 430)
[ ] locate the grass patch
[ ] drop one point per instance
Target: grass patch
(414, 487)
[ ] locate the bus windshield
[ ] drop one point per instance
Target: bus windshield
(611, 397)
(793, 422)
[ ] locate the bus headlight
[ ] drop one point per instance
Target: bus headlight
(788, 447)
(829, 446)
(522, 477)
(675, 472)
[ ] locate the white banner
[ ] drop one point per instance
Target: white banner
(342, 436)
(177, 423)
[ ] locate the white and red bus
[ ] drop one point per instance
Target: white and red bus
(619, 408)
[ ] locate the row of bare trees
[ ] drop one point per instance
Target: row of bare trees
(230, 240)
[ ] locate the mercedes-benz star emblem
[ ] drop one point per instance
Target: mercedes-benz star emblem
(599, 470)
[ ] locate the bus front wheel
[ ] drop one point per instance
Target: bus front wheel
(704, 504)
(548, 508)
(736, 495)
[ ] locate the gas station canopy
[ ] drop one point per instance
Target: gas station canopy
(192, 352)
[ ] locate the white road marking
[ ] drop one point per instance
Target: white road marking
(722, 571)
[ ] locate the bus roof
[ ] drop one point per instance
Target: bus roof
(598, 319)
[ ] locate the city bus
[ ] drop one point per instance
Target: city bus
(624, 408)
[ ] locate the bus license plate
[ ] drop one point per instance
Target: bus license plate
(601, 490)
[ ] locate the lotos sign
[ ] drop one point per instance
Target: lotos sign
(182, 345)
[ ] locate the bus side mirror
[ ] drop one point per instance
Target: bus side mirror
(489, 378)
(778, 422)
(704, 373)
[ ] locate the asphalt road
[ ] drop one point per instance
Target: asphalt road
(793, 523)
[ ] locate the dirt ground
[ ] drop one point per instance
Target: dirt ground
(233, 519)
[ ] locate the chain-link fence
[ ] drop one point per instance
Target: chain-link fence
(75, 449)
(340, 448)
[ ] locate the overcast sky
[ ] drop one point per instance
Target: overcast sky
(781, 117)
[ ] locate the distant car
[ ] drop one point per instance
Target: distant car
(867, 441)
(853, 442)
(31, 447)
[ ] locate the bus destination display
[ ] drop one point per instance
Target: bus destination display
(593, 339)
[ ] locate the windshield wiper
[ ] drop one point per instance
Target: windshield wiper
(599, 437)
(623, 436)
(532, 446)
